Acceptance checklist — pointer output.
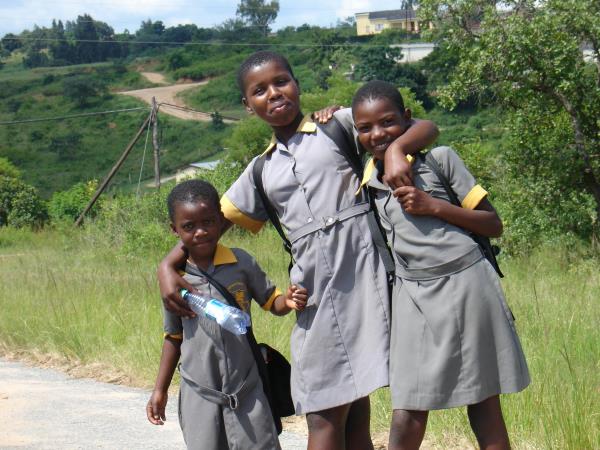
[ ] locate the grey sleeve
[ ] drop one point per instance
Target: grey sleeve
(260, 287)
(461, 180)
(242, 204)
(171, 323)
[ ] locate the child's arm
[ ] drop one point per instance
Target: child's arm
(295, 298)
(155, 409)
(482, 220)
(170, 282)
(419, 135)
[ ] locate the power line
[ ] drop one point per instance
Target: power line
(183, 108)
(47, 119)
(205, 43)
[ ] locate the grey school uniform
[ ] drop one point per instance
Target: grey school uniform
(340, 342)
(453, 337)
(216, 362)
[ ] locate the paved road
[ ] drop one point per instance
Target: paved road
(46, 409)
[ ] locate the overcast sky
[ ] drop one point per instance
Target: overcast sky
(18, 15)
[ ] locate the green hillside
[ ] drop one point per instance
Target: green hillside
(54, 155)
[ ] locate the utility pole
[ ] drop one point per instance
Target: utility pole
(113, 171)
(155, 144)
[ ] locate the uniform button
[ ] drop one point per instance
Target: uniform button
(309, 220)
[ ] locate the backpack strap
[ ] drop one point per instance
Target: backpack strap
(489, 251)
(260, 362)
(345, 141)
(257, 170)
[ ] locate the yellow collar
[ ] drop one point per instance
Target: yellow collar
(223, 255)
(367, 174)
(370, 167)
(306, 126)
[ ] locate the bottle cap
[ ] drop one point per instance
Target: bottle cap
(183, 292)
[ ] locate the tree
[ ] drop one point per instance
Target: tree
(527, 54)
(11, 42)
(61, 50)
(81, 89)
(258, 14)
(381, 63)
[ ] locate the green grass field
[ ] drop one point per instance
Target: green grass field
(70, 293)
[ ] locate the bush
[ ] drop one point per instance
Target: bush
(136, 225)
(28, 209)
(20, 206)
(8, 169)
(68, 205)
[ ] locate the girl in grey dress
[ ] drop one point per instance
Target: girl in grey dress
(453, 338)
(340, 342)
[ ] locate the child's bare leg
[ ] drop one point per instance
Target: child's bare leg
(407, 429)
(358, 425)
(488, 424)
(326, 429)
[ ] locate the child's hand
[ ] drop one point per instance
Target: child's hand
(398, 169)
(415, 201)
(170, 283)
(296, 297)
(325, 114)
(155, 409)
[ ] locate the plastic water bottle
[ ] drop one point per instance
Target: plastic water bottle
(232, 319)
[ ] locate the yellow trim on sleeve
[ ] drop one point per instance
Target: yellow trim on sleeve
(233, 214)
(269, 304)
(474, 197)
(224, 255)
(174, 336)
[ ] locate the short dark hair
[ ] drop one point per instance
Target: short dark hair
(376, 90)
(258, 59)
(192, 191)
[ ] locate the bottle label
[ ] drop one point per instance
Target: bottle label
(214, 309)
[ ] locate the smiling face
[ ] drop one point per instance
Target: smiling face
(379, 122)
(198, 224)
(271, 92)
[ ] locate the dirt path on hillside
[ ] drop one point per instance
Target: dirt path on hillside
(169, 94)
(46, 409)
(154, 77)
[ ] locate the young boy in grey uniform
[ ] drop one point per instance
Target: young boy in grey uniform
(222, 404)
(340, 342)
(453, 340)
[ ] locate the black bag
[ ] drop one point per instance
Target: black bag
(489, 251)
(279, 371)
(274, 370)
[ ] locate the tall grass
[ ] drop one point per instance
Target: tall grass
(72, 293)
